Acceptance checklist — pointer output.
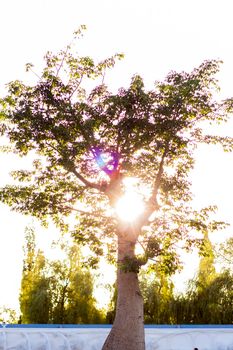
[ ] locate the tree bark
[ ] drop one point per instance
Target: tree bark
(127, 332)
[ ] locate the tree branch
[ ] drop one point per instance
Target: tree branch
(76, 87)
(158, 177)
(85, 181)
(69, 166)
(152, 203)
(95, 214)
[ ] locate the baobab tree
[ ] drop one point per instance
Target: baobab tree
(121, 161)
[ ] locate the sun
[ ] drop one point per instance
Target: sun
(131, 204)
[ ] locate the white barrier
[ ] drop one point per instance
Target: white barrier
(93, 338)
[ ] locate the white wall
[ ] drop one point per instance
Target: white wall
(93, 338)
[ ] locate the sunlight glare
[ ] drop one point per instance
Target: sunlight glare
(131, 204)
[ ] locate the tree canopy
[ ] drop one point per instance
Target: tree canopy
(85, 139)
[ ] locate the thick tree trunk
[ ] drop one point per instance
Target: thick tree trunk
(127, 332)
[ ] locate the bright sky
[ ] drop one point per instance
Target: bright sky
(156, 37)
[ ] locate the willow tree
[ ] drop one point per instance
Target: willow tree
(35, 295)
(90, 142)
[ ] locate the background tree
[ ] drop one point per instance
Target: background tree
(224, 254)
(8, 315)
(193, 305)
(71, 286)
(58, 291)
(35, 297)
(208, 298)
(89, 140)
(210, 305)
(206, 272)
(157, 291)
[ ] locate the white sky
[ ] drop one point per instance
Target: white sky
(156, 37)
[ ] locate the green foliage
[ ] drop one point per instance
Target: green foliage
(8, 315)
(157, 290)
(129, 264)
(56, 291)
(72, 290)
(206, 272)
(34, 291)
(88, 139)
(224, 253)
(211, 304)
(207, 300)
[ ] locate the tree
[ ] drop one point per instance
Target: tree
(71, 287)
(224, 254)
(56, 291)
(208, 299)
(212, 304)
(35, 296)
(194, 305)
(206, 271)
(90, 140)
(8, 315)
(158, 296)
